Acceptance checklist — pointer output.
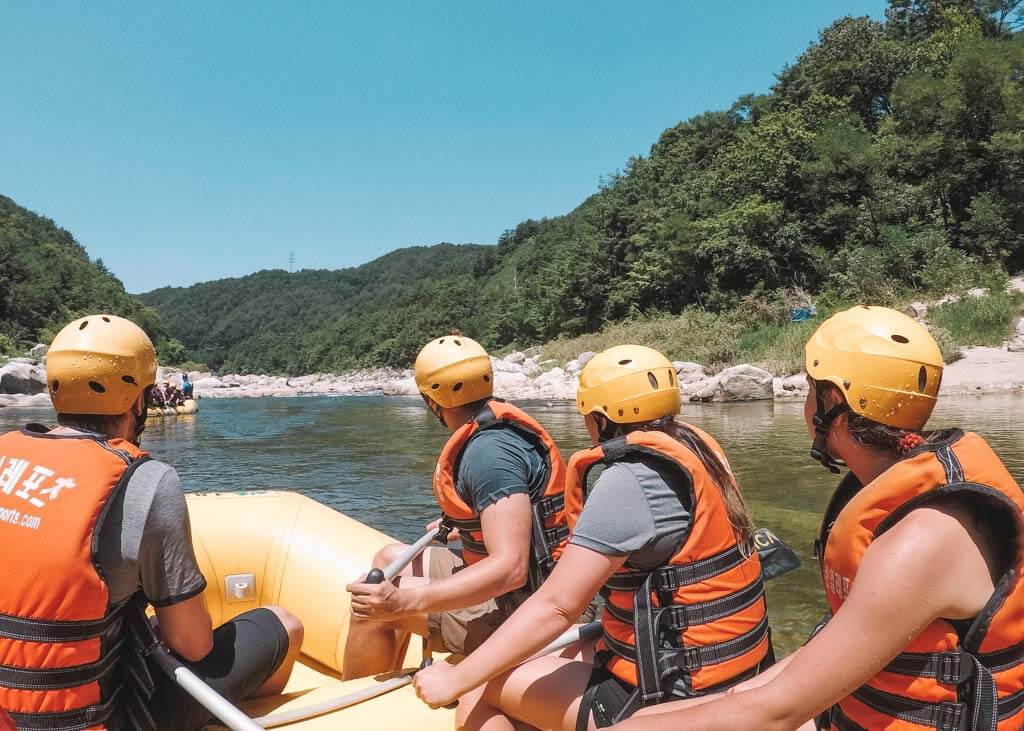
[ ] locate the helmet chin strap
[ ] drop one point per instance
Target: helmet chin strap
(822, 421)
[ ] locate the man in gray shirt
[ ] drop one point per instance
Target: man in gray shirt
(91, 531)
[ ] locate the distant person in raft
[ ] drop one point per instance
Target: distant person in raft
(186, 387)
(921, 552)
(498, 483)
(91, 531)
(665, 536)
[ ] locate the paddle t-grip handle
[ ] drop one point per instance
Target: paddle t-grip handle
(376, 576)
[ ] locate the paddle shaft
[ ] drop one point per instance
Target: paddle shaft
(393, 569)
(206, 696)
(569, 637)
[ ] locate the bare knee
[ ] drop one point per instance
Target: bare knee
(388, 554)
(292, 625)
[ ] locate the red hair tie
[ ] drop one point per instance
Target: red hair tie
(910, 441)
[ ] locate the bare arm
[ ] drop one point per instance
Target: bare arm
(506, 526)
(550, 611)
(927, 566)
(186, 628)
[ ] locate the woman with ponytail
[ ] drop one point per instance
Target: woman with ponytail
(664, 535)
(921, 552)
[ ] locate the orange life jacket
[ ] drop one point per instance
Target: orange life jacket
(549, 528)
(67, 660)
(702, 615)
(953, 675)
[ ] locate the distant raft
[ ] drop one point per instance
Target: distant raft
(157, 412)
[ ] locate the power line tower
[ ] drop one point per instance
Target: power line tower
(291, 262)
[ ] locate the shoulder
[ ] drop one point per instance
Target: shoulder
(153, 486)
(496, 443)
(642, 472)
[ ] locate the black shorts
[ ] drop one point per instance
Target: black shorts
(246, 652)
(607, 698)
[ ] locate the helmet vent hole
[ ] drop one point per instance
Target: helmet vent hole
(106, 319)
(863, 403)
(621, 413)
(55, 386)
(457, 342)
(97, 387)
(653, 379)
(457, 387)
(85, 324)
(625, 361)
(815, 362)
(487, 378)
(846, 385)
(922, 379)
(441, 341)
(671, 378)
(636, 410)
(900, 339)
(605, 409)
(435, 387)
(129, 379)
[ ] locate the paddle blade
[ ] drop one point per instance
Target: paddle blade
(776, 557)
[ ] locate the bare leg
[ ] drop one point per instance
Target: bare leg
(377, 647)
(276, 682)
(544, 694)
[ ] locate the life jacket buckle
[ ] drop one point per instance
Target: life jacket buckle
(674, 618)
(689, 659)
(953, 670)
(951, 717)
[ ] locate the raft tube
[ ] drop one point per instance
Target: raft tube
(282, 548)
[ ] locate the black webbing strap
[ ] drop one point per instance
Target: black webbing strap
(1011, 705)
(468, 524)
(670, 578)
(551, 506)
(22, 678)
(76, 720)
(940, 716)
(692, 659)
(951, 668)
(679, 617)
(1004, 659)
(38, 630)
(471, 545)
(836, 719)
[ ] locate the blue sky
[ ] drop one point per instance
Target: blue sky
(185, 141)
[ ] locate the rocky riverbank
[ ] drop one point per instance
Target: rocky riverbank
(527, 375)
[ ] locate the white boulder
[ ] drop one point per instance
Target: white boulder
(207, 383)
(18, 377)
(403, 387)
(1016, 344)
(515, 358)
(688, 371)
(745, 383)
(38, 352)
(584, 357)
(794, 386)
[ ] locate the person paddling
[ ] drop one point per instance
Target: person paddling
(666, 537)
(91, 530)
(499, 483)
(921, 552)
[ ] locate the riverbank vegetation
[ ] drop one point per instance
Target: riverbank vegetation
(48, 279)
(887, 163)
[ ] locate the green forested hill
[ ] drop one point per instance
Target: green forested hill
(328, 320)
(47, 279)
(889, 157)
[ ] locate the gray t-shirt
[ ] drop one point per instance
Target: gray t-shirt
(499, 462)
(145, 542)
(640, 508)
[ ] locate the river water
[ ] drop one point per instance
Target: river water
(371, 457)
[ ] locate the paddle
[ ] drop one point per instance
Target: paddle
(206, 696)
(776, 557)
(393, 569)
(567, 638)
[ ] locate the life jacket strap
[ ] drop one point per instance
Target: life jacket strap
(951, 668)
(22, 678)
(940, 716)
(39, 630)
(672, 578)
(76, 720)
(679, 617)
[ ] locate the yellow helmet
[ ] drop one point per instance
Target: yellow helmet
(886, 365)
(453, 371)
(99, 365)
(629, 384)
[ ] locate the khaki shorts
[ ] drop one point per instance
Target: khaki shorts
(463, 630)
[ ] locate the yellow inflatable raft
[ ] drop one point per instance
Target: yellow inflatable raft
(189, 407)
(282, 548)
